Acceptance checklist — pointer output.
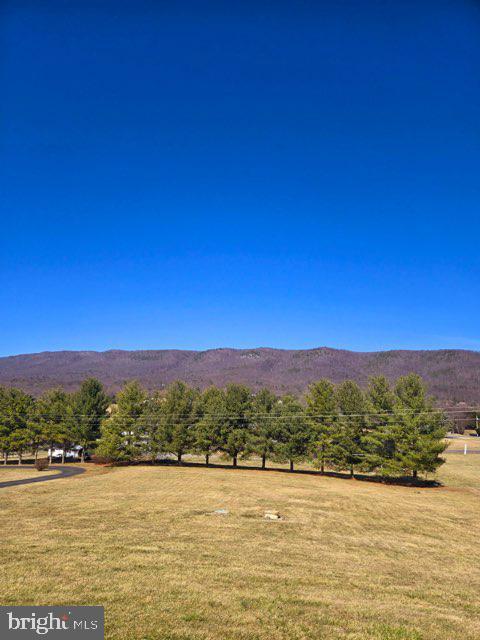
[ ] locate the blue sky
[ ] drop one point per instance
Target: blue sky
(194, 175)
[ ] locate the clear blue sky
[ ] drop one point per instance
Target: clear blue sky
(194, 175)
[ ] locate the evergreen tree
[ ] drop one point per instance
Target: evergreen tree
(89, 409)
(262, 440)
(236, 432)
(418, 431)
(390, 432)
(211, 410)
(293, 433)
(122, 432)
(378, 442)
(20, 440)
(36, 435)
(16, 408)
(322, 417)
(348, 441)
(5, 426)
(55, 415)
(180, 416)
(154, 430)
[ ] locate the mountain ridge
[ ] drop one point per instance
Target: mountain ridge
(452, 375)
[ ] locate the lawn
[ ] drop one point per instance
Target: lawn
(350, 559)
(21, 473)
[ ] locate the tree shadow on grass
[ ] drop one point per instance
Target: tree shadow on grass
(403, 481)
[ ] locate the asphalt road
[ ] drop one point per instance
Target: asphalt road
(64, 472)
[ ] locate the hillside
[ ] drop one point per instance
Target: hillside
(452, 375)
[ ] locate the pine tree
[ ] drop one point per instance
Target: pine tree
(348, 441)
(36, 435)
(262, 439)
(122, 431)
(211, 410)
(55, 415)
(322, 417)
(418, 431)
(16, 414)
(180, 417)
(293, 434)
(89, 409)
(16, 410)
(236, 430)
(5, 425)
(378, 443)
(154, 433)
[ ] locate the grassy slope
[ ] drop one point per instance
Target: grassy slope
(351, 560)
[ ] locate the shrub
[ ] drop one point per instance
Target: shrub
(102, 459)
(41, 464)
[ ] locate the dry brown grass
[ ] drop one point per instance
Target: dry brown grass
(20, 473)
(351, 559)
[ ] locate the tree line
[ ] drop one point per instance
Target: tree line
(56, 419)
(387, 430)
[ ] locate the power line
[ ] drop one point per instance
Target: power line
(305, 414)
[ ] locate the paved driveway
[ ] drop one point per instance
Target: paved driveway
(64, 471)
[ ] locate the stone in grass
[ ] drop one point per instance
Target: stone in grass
(272, 515)
(221, 512)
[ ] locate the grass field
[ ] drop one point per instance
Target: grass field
(350, 559)
(20, 473)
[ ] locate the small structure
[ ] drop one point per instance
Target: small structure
(74, 454)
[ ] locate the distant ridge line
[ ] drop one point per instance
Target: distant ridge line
(452, 375)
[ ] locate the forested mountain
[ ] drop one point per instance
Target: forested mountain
(451, 375)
